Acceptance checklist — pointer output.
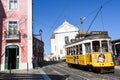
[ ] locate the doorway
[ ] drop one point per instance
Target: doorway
(12, 57)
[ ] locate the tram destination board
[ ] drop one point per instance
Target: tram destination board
(99, 33)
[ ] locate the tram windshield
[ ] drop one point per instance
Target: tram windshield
(100, 48)
(96, 46)
(104, 46)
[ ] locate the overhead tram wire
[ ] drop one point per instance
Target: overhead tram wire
(106, 2)
(98, 8)
(94, 18)
(101, 15)
(57, 19)
(54, 23)
(102, 21)
(97, 13)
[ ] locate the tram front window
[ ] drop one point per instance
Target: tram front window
(104, 46)
(96, 46)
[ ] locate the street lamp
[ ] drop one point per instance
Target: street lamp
(40, 32)
(81, 20)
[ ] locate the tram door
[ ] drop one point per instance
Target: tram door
(11, 57)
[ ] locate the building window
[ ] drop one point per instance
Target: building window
(66, 39)
(13, 26)
(13, 4)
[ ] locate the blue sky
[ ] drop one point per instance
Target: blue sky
(50, 14)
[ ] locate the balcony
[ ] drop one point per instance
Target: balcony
(12, 35)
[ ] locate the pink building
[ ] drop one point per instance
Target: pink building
(15, 34)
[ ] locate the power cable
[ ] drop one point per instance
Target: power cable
(102, 21)
(94, 19)
(106, 2)
(97, 13)
(54, 23)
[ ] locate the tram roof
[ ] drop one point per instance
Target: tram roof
(115, 41)
(91, 36)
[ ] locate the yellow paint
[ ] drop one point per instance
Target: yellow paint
(91, 59)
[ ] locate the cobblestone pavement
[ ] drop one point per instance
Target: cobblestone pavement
(32, 74)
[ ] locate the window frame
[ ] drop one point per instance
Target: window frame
(14, 8)
(8, 28)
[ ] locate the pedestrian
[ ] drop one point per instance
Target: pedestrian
(34, 62)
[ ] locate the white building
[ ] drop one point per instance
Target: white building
(63, 34)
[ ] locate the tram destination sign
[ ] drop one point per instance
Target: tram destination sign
(99, 33)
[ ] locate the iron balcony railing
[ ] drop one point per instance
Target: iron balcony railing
(12, 35)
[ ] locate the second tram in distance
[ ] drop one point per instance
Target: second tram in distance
(93, 51)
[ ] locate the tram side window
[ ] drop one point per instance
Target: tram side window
(88, 48)
(96, 46)
(76, 49)
(117, 46)
(72, 50)
(80, 49)
(67, 51)
(104, 46)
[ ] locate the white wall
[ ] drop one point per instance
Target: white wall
(53, 46)
(58, 43)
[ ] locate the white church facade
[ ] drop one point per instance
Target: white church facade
(62, 35)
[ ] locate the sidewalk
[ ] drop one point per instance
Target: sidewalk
(117, 67)
(31, 74)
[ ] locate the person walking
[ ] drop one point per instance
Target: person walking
(34, 62)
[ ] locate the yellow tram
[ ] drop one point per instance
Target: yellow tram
(93, 51)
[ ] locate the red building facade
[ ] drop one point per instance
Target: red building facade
(38, 50)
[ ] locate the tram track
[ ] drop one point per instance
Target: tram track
(70, 73)
(63, 72)
(105, 76)
(82, 73)
(75, 73)
(67, 71)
